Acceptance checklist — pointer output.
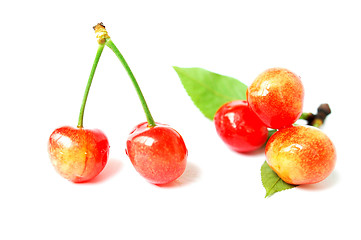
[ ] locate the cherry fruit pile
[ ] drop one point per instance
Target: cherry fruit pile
(298, 154)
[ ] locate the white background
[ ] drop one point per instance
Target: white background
(46, 56)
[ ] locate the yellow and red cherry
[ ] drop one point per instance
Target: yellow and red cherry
(157, 153)
(239, 127)
(301, 154)
(276, 96)
(78, 154)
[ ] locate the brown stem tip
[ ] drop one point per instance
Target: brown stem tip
(322, 112)
(101, 33)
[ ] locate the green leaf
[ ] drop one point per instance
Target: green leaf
(208, 90)
(272, 182)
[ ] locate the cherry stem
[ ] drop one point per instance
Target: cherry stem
(95, 64)
(315, 120)
(112, 46)
(318, 119)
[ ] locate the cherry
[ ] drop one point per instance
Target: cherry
(79, 154)
(301, 154)
(276, 96)
(157, 151)
(239, 127)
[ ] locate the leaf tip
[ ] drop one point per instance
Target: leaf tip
(177, 69)
(272, 182)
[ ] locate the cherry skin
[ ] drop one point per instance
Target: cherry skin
(276, 96)
(301, 154)
(157, 153)
(239, 127)
(78, 154)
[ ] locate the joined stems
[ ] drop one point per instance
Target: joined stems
(112, 46)
(95, 64)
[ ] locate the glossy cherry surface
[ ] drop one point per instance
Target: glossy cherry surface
(301, 154)
(78, 154)
(157, 153)
(239, 127)
(276, 96)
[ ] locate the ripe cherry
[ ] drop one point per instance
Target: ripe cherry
(276, 96)
(239, 127)
(301, 154)
(156, 151)
(79, 154)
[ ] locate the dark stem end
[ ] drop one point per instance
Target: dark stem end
(101, 33)
(322, 112)
(309, 117)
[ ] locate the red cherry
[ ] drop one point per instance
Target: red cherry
(239, 127)
(78, 154)
(158, 153)
(276, 96)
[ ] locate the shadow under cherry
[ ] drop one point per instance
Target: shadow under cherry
(190, 175)
(329, 182)
(112, 167)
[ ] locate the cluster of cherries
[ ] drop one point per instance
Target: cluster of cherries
(157, 151)
(298, 154)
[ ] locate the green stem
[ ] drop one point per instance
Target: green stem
(95, 64)
(112, 46)
(310, 118)
(306, 116)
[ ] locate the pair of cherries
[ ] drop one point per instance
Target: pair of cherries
(274, 100)
(156, 150)
(298, 154)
